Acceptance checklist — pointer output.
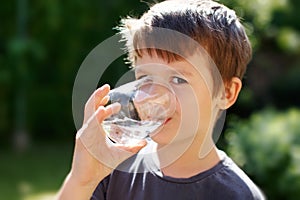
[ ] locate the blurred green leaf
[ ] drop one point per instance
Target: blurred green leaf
(267, 146)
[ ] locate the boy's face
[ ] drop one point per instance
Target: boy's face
(194, 105)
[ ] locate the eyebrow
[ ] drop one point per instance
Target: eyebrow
(184, 72)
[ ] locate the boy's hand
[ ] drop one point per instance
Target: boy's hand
(94, 153)
(94, 156)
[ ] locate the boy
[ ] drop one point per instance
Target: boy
(181, 161)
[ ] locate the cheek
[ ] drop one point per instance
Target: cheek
(205, 110)
(195, 107)
(187, 107)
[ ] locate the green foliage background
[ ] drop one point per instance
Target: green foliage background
(267, 146)
(42, 44)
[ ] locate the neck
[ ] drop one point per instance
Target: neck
(190, 163)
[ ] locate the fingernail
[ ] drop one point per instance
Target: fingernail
(104, 87)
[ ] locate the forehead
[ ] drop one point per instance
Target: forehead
(191, 66)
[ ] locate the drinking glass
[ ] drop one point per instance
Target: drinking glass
(146, 104)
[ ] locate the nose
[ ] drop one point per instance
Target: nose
(152, 92)
(154, 101)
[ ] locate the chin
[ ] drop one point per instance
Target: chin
(163, 137)
(160, 141)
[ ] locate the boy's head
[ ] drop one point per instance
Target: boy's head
(215, 27)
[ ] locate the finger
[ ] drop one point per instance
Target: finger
(104, 112)
(100, 93)
(101, 102)
(113, 108)
(101, 96)
(105, 100)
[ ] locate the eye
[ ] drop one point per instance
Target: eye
(140, 77)
(144, 78)
(178, 80)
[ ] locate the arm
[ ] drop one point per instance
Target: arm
(84, 175)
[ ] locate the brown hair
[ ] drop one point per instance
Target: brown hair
(214, 26)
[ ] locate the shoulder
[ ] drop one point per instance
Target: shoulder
(232, 181)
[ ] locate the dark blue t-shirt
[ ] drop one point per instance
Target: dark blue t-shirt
(225, 181)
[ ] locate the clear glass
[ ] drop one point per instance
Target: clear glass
(146, 104)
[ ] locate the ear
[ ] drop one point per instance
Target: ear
(232, 90)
